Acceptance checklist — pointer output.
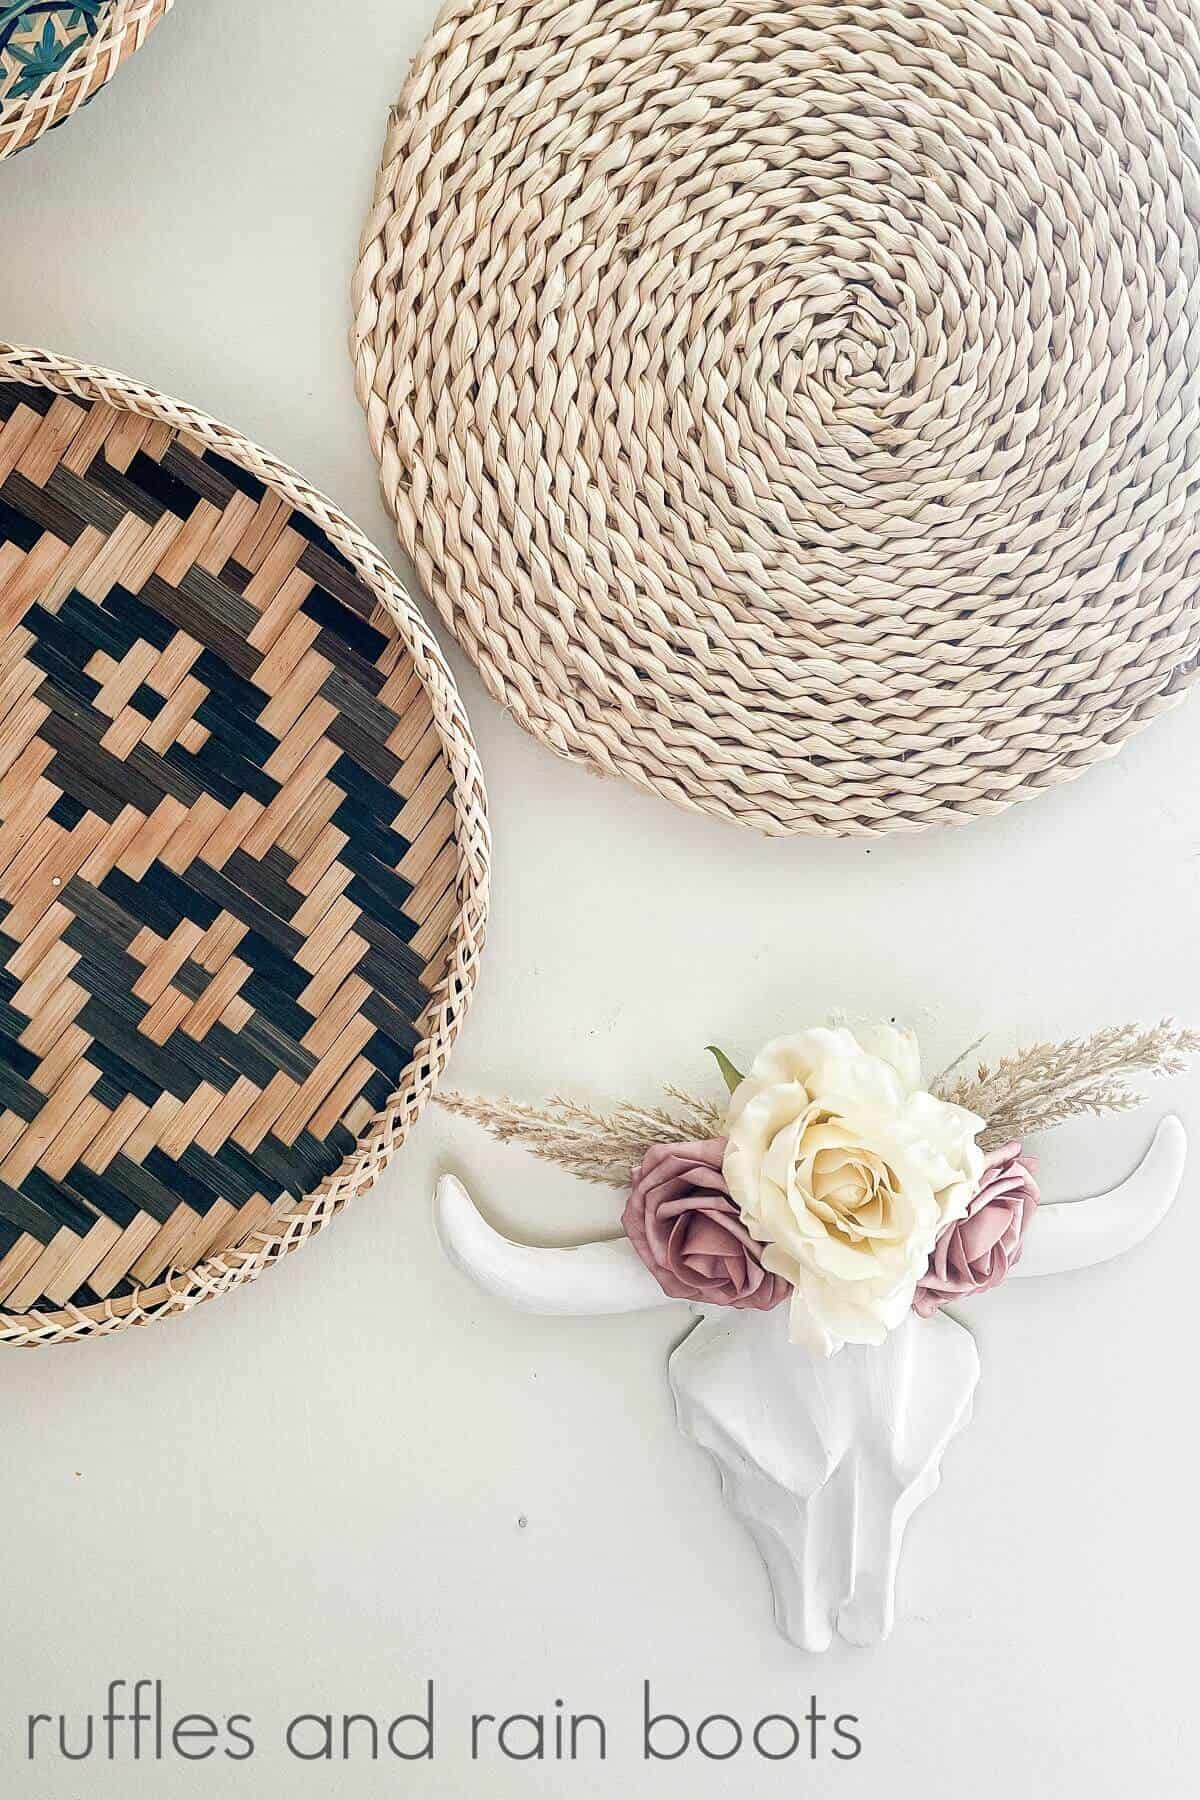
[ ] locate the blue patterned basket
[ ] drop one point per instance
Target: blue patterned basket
(55, 54)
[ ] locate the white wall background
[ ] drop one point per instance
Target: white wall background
(306, 1496)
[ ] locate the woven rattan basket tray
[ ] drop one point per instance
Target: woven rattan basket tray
(243, 856)
(795, 408)
(54, 57)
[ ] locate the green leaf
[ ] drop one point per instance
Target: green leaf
(732, 1077)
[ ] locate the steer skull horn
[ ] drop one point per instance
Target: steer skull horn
(824, 1461)
(604, 1277)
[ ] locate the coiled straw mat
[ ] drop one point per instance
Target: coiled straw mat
(243, 856)
(55, 56)
(793, 407)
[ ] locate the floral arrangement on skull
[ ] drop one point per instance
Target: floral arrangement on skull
(822, 1219)
(841, 1186)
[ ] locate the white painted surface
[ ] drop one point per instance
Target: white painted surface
(319, 1480)
(1095, 1229)
(579, 1280)
(825, 1459)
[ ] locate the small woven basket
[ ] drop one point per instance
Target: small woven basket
(243, 856)
(54, 57)
(795, 408)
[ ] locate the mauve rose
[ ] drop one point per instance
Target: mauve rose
(977, 1252)
(688, 1232)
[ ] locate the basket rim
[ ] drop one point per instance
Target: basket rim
(90, 67)
(449, 1000)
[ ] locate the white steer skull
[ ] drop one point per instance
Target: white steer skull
(824, 1461)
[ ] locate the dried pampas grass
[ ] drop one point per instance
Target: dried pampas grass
(1047, 1084)
(1024, 1094)
(596, 1146)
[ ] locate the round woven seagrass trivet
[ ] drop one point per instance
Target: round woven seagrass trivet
(243, 856)
(54, 56)
(794, 408)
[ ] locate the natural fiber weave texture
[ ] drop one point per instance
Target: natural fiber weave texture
(54, 57)
(793, 407)
(243, 856)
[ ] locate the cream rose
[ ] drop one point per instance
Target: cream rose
(847, 1171)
